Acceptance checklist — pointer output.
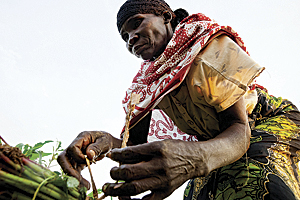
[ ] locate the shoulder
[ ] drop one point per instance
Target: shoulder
(222, 73)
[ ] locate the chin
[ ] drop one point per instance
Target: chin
(147, 54)
(145, 57)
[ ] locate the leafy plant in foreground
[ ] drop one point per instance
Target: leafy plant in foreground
(22, 178)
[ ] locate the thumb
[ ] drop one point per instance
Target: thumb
(90, 154)
(96, 151)
(138, 153)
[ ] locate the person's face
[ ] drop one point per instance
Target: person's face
(147, 35)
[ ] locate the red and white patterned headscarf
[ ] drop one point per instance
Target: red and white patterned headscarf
(157, 78)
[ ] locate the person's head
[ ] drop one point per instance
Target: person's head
(147, 26)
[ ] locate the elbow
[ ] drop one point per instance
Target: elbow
(241, 137)
(246, 137)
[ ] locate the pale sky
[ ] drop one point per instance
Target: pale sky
(64, 68)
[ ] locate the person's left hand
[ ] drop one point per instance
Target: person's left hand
(161, 167)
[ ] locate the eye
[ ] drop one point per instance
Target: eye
(137, 23)
(125, 37)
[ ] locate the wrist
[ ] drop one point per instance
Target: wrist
(190, 157)
(200, 160)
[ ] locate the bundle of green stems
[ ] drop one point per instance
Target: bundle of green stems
(23, 179)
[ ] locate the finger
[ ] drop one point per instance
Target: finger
(138, 153)
(77, 148)
(166, 191)
(66, 165)
(96, 150)
(83, 181)
(132, 188)
(90, 154)
(136, 171)
(69, 169)
(160, 186)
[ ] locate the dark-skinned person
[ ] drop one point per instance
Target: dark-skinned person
(200, 74)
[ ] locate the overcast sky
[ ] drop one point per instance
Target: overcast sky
(64, 68)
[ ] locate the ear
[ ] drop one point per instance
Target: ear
(167, 17)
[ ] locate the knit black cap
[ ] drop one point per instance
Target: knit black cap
(133, 7)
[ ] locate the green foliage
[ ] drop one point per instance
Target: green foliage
(55, 152)
(18, 180)
(64, 181)
(91, 193)
(99, 192)
(59, 179)
(34, 153)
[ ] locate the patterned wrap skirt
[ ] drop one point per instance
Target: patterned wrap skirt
(270, 168)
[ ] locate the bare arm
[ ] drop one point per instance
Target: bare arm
(165, 165)
(234, 140)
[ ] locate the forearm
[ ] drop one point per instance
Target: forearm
(227, 147)
(233, 141)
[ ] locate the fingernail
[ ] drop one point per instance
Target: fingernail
(105, 186)
(118, 185)
(92, 153)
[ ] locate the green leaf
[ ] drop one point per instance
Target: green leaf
(40, 157)
(41, 144)
(72, 182)
(46, 154)
(57, 173)
(34, 156)
(20, 146)
(26, 149)
(82, 191)
(91, 193)
(58, 146)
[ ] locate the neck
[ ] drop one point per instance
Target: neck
(170, 32)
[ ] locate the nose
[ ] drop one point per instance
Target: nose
(133, 38)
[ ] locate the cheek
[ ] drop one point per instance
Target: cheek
(160, 35)
(160, 41)
(128, 48)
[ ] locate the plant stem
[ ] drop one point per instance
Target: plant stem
(1, 138)
(8, 169)
(4, 198)
(4, 195)
(74, 192)
(39, 187)
(28, 172)
(31, 174)
(28, 190)
(10, 162)
(37, 168)
(20, 196)
(21, 182)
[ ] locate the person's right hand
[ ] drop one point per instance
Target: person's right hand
(94, 144)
